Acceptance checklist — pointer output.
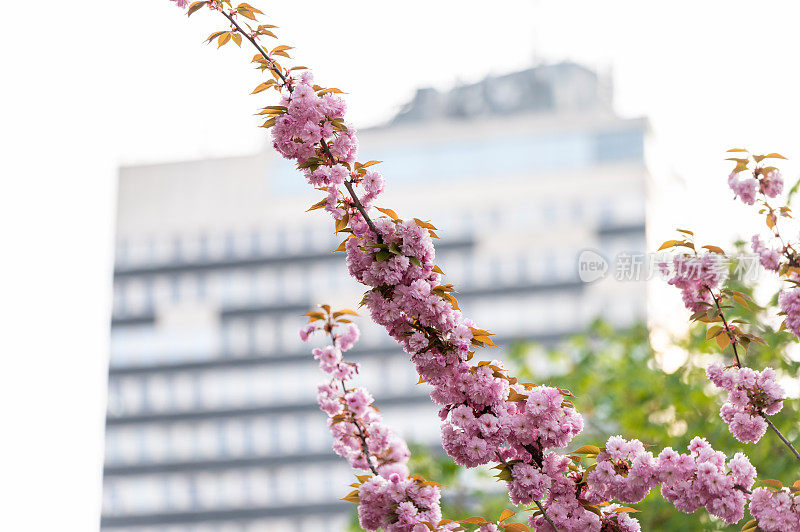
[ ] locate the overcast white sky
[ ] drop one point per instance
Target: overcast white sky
(90, 85)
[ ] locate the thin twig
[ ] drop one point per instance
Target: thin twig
(545, 514)
(728, 331)
(349, 186)
(261, 50)
(738, 363)
(538, 504)
(325, 148)
(781, 436)
(354, 420)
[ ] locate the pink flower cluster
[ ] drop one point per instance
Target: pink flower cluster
(789, 301)
(407, 263)
(626, 472)
(392, 499)
(776, 511)
(399, 503)
(744, 189)
(770, 184)
(181, 3)
(517, 430)
(769, 258)
(695, 276)
(701, 479)
(750, 394)
(564, 508)
(308, 120)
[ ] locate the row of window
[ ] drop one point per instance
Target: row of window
(319, 237)
(216, 439)
(171, 340)
(228, 245)
(227, 287)
(252, 487)
(225, 388)
(243, 437)
(300, 523)
(275, 285)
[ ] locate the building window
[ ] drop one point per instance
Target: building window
(619, 145)
(175, 288)
(203, 251)
(201, 286)
(177, 250)
(230, 246)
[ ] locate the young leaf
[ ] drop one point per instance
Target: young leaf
(723, 341)
(475, 520)
(670, 244)
(195, 6)
(389, 212)
(587, 449)
(714, 249)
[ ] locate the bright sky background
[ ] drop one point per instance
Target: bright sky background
(91, 85)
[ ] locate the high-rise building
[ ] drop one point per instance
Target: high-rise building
(212, 421)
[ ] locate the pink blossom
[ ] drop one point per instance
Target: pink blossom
(744, 189)
(751, 394)
(772, 184)
(776, 511)
(789, 301)
(695, 276)
(769, 258)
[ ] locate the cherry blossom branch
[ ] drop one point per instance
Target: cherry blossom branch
(329, 327)
(484, 409)
(696, 276)
(416, 500)
(734, 341)
(544, 513)
(349, 186)
(271, 64)
(361, 436)
(288, 84)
